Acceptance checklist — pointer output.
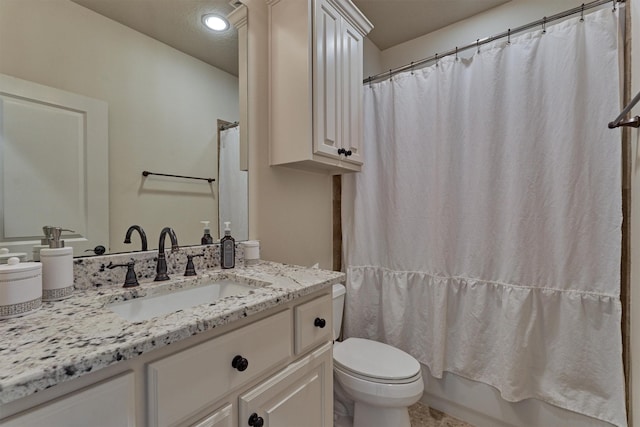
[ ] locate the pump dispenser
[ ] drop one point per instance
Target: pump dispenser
(227, 248)
(57, 266)
(44, 243)
(206, 237)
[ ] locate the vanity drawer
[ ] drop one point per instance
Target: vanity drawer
(313, 323)
(187, 382)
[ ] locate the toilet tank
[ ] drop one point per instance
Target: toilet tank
(339, 292)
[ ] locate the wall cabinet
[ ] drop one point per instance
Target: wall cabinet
(315, 79)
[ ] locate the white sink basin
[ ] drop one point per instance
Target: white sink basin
(146, 308)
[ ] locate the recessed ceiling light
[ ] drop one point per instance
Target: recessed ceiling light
(215, 22)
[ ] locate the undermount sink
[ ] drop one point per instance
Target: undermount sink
(148, 307)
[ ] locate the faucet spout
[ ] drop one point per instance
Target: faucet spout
(161, 266)
(143, 236)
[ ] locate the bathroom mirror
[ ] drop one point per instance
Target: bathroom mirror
(165, 81)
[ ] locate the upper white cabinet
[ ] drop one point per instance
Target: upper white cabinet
(315, 75)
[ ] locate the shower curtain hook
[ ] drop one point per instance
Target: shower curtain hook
(370, 78)
(582, 13)
(509, 36)
(614, 6)
(457, 53)
(544, 25)
(390, 76)
(412, 68)
(436, 59)
(478, 45)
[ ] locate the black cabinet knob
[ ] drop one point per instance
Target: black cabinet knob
(341, 151)
(320, 323)
(240, 363)
(255, 420)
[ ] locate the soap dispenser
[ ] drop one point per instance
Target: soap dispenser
(206, 237)
(57, 267)
(227, 248)
(44, 242)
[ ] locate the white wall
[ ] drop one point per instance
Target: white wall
(290, 210)
(163, 107)
(476, 403)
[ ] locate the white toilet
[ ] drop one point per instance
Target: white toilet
(374, 383)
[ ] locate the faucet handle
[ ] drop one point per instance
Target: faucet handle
(191, 270)
(131, 280)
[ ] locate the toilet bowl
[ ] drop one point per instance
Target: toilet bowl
(375, 382)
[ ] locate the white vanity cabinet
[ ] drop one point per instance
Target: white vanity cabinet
(315, 78)
(276, 364)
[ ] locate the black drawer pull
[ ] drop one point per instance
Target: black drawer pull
(240, 363)
(255, 420)
(320, 323)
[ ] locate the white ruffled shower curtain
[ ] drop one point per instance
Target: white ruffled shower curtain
(232, 186)
(483, 235)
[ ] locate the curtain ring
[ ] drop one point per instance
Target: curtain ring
(509, 36)
(544, 25)
(582, 13)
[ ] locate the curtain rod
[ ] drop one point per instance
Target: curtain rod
(479, 42)
(229, 126)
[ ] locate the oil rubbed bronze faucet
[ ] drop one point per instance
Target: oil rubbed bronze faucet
(143, 237)
(161, 267)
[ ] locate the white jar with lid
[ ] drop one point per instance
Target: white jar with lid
(251, 252)
(20, 287)
(5, 255)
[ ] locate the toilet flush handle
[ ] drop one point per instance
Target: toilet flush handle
(319, 323)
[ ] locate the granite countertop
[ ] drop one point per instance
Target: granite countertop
(69, 338)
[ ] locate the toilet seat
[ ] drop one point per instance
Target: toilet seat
(375, 362)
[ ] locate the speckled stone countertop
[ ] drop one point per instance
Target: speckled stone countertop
(67, 339)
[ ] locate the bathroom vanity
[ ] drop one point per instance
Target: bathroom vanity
(260, 357)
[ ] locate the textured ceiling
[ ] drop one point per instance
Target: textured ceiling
(178, 22)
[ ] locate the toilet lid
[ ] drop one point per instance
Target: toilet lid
(374, 359)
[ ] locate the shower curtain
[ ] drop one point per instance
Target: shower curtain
(232, 186)
(483, 235)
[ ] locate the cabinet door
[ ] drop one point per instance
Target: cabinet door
(351, 63)
(107, 404)
(222, 417)
(300, 395)
(327, 99)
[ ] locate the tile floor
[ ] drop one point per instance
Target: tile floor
(423, 416)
